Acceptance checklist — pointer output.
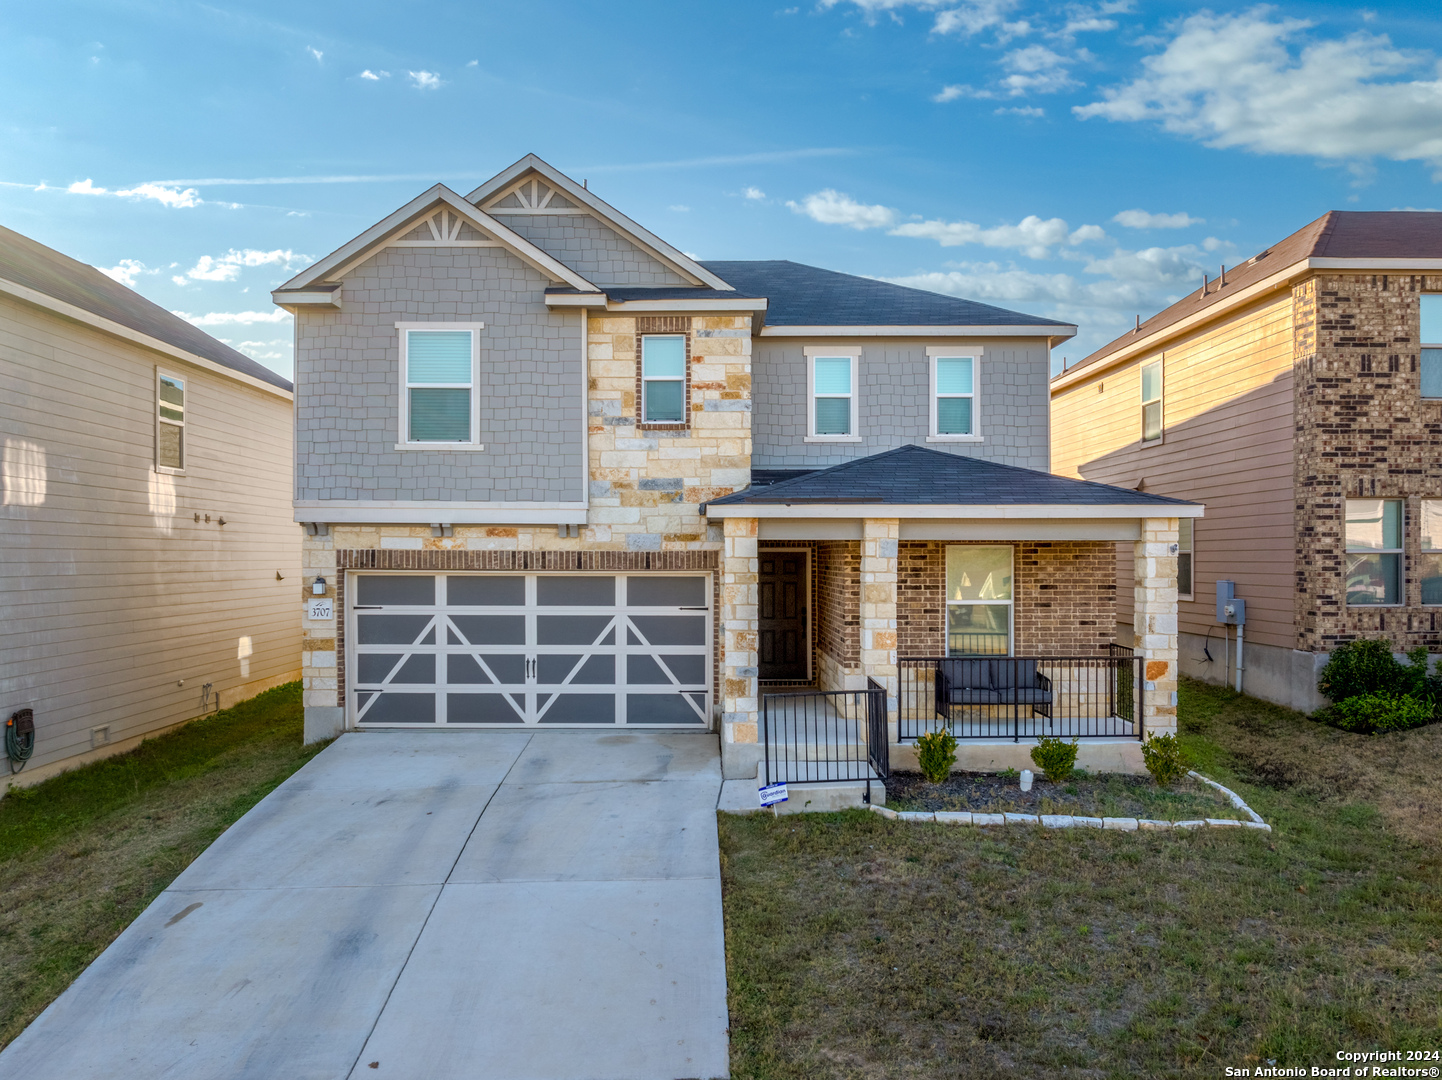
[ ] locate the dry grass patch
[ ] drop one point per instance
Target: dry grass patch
(858, 947)
(82, 854)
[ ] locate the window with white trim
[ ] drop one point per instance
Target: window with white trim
(1152, 401)
(1431, 345)
(438, 374)
(978, 600)
(1374, 552)
(953, 398)
(663, 379)
(169, 422)
(1185, 534)
(832, 398)
(1429, 568)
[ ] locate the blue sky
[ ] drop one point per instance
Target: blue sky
(1086, 161)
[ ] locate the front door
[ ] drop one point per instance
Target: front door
(784, 637)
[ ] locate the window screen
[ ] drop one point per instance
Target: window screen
(954, 395)
(832, 389)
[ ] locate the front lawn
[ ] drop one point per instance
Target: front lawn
(83, 853)
(860, 947)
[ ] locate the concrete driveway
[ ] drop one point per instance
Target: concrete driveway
(424, 906)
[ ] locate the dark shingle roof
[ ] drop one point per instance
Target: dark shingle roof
(918, 475)
(35, 266)
(1337, 234)
(803, 295)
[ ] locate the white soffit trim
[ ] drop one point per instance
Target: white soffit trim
(917, 512)
(423, 513)
(644, 238)
(1059, 333)
(364, 246)
(89, 318)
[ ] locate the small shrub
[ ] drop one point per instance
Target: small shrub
(1356, 668)
(1009, 774)
(1367, 714)
(935, 754)
(1164, 759)
(1055, 758)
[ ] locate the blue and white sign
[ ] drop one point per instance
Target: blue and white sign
(773, 793)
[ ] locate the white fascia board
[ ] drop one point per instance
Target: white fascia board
(643, 237)
(424, 513)
(915, 512)
(1060, 333)
(1415, 265)
(309, 298)
(99, 322)
(343, 259)
(658, 305)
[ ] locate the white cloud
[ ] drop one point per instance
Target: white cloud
(425, 80)
(86, 187)
(234, 318)
(1036, 70)
(314, 52)
(1140, 219)
(227, 267)
(754, 193)
(166, 195)
(1034, 237)
(126, 271)
(1245, 81)
(374, 76)
(1029, 111)
(971, 18)
(1154, 266)
(831, 207)
(472, 63)
(951, 93)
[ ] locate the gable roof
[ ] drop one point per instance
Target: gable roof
(1337, 234)
(643, 238)
(801, 295)
(45, 272)
(921, 476)
(396, 224)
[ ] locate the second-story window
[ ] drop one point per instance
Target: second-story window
(1431, 359)
(169, 423)
(833, 396)
(1374, 552)
(955, 399)
(439, 394)
(1152, 401)
(663, 379)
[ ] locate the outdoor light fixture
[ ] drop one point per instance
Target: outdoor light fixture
(318, 586)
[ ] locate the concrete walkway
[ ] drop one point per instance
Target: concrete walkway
(427, 906)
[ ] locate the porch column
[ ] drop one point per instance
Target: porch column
(1156, 622)
(879, 538)
(740, 701)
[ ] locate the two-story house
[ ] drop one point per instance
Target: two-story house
(1299, 395)
(555, 472)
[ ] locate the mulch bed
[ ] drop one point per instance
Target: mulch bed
(1098, 795)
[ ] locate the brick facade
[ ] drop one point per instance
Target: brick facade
(837, 608)
(1362, 431)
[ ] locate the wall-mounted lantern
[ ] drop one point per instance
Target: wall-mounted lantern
(317, 587)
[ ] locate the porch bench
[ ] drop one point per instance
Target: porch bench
(994, 681)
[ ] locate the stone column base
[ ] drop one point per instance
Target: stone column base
(323, 722)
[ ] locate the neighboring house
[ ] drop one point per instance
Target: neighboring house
(553, 471)
(1300, 397)
(148, 565)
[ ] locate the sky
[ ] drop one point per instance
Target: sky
(1082, 161)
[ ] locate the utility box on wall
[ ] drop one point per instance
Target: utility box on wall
(1230, 610)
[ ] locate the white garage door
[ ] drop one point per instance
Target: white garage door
(479, 650)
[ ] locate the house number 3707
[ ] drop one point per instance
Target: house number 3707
(321, 609)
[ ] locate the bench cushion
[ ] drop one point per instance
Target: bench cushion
(1006, 674)
(972, 696)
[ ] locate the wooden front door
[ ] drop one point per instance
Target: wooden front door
(785, 641)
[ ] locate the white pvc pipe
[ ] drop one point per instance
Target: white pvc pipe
(1239, 658)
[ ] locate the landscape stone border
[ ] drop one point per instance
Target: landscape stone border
(1070, 821)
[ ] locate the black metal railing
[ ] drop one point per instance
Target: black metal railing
(821, 735)
(1021, 697)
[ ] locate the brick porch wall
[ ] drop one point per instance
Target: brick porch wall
(837, 604)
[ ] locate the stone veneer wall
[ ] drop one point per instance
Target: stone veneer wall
(1064, 597)
(1362, 431)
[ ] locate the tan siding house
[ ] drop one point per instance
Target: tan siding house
(1283, 389)
(149, 570)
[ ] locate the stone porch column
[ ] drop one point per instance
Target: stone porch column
(740, 699)
(324, 719)
(1155, 622)
(879, 541)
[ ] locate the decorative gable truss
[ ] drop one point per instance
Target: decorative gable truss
(445, 229)
(533, 196)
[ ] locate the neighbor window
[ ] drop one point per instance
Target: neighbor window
(955, 395)
(1430, 558)
(833, 396)
(1431, 345)
(1152, 401)
(440, 374)
(663, 379)
(1184, 558)
(978, 600)
(169, 422)
(1374, 551)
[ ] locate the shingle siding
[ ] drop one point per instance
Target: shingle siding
(596, 252)
(530, 384)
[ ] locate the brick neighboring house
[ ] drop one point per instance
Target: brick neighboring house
(556, 473)
(1300, 397)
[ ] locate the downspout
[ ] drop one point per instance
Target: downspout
(1240, 629)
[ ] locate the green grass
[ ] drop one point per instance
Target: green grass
(83, 853)
(858, 947)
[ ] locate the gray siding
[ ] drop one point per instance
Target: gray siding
(592, 249)
(348, 384)
(894, 409)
